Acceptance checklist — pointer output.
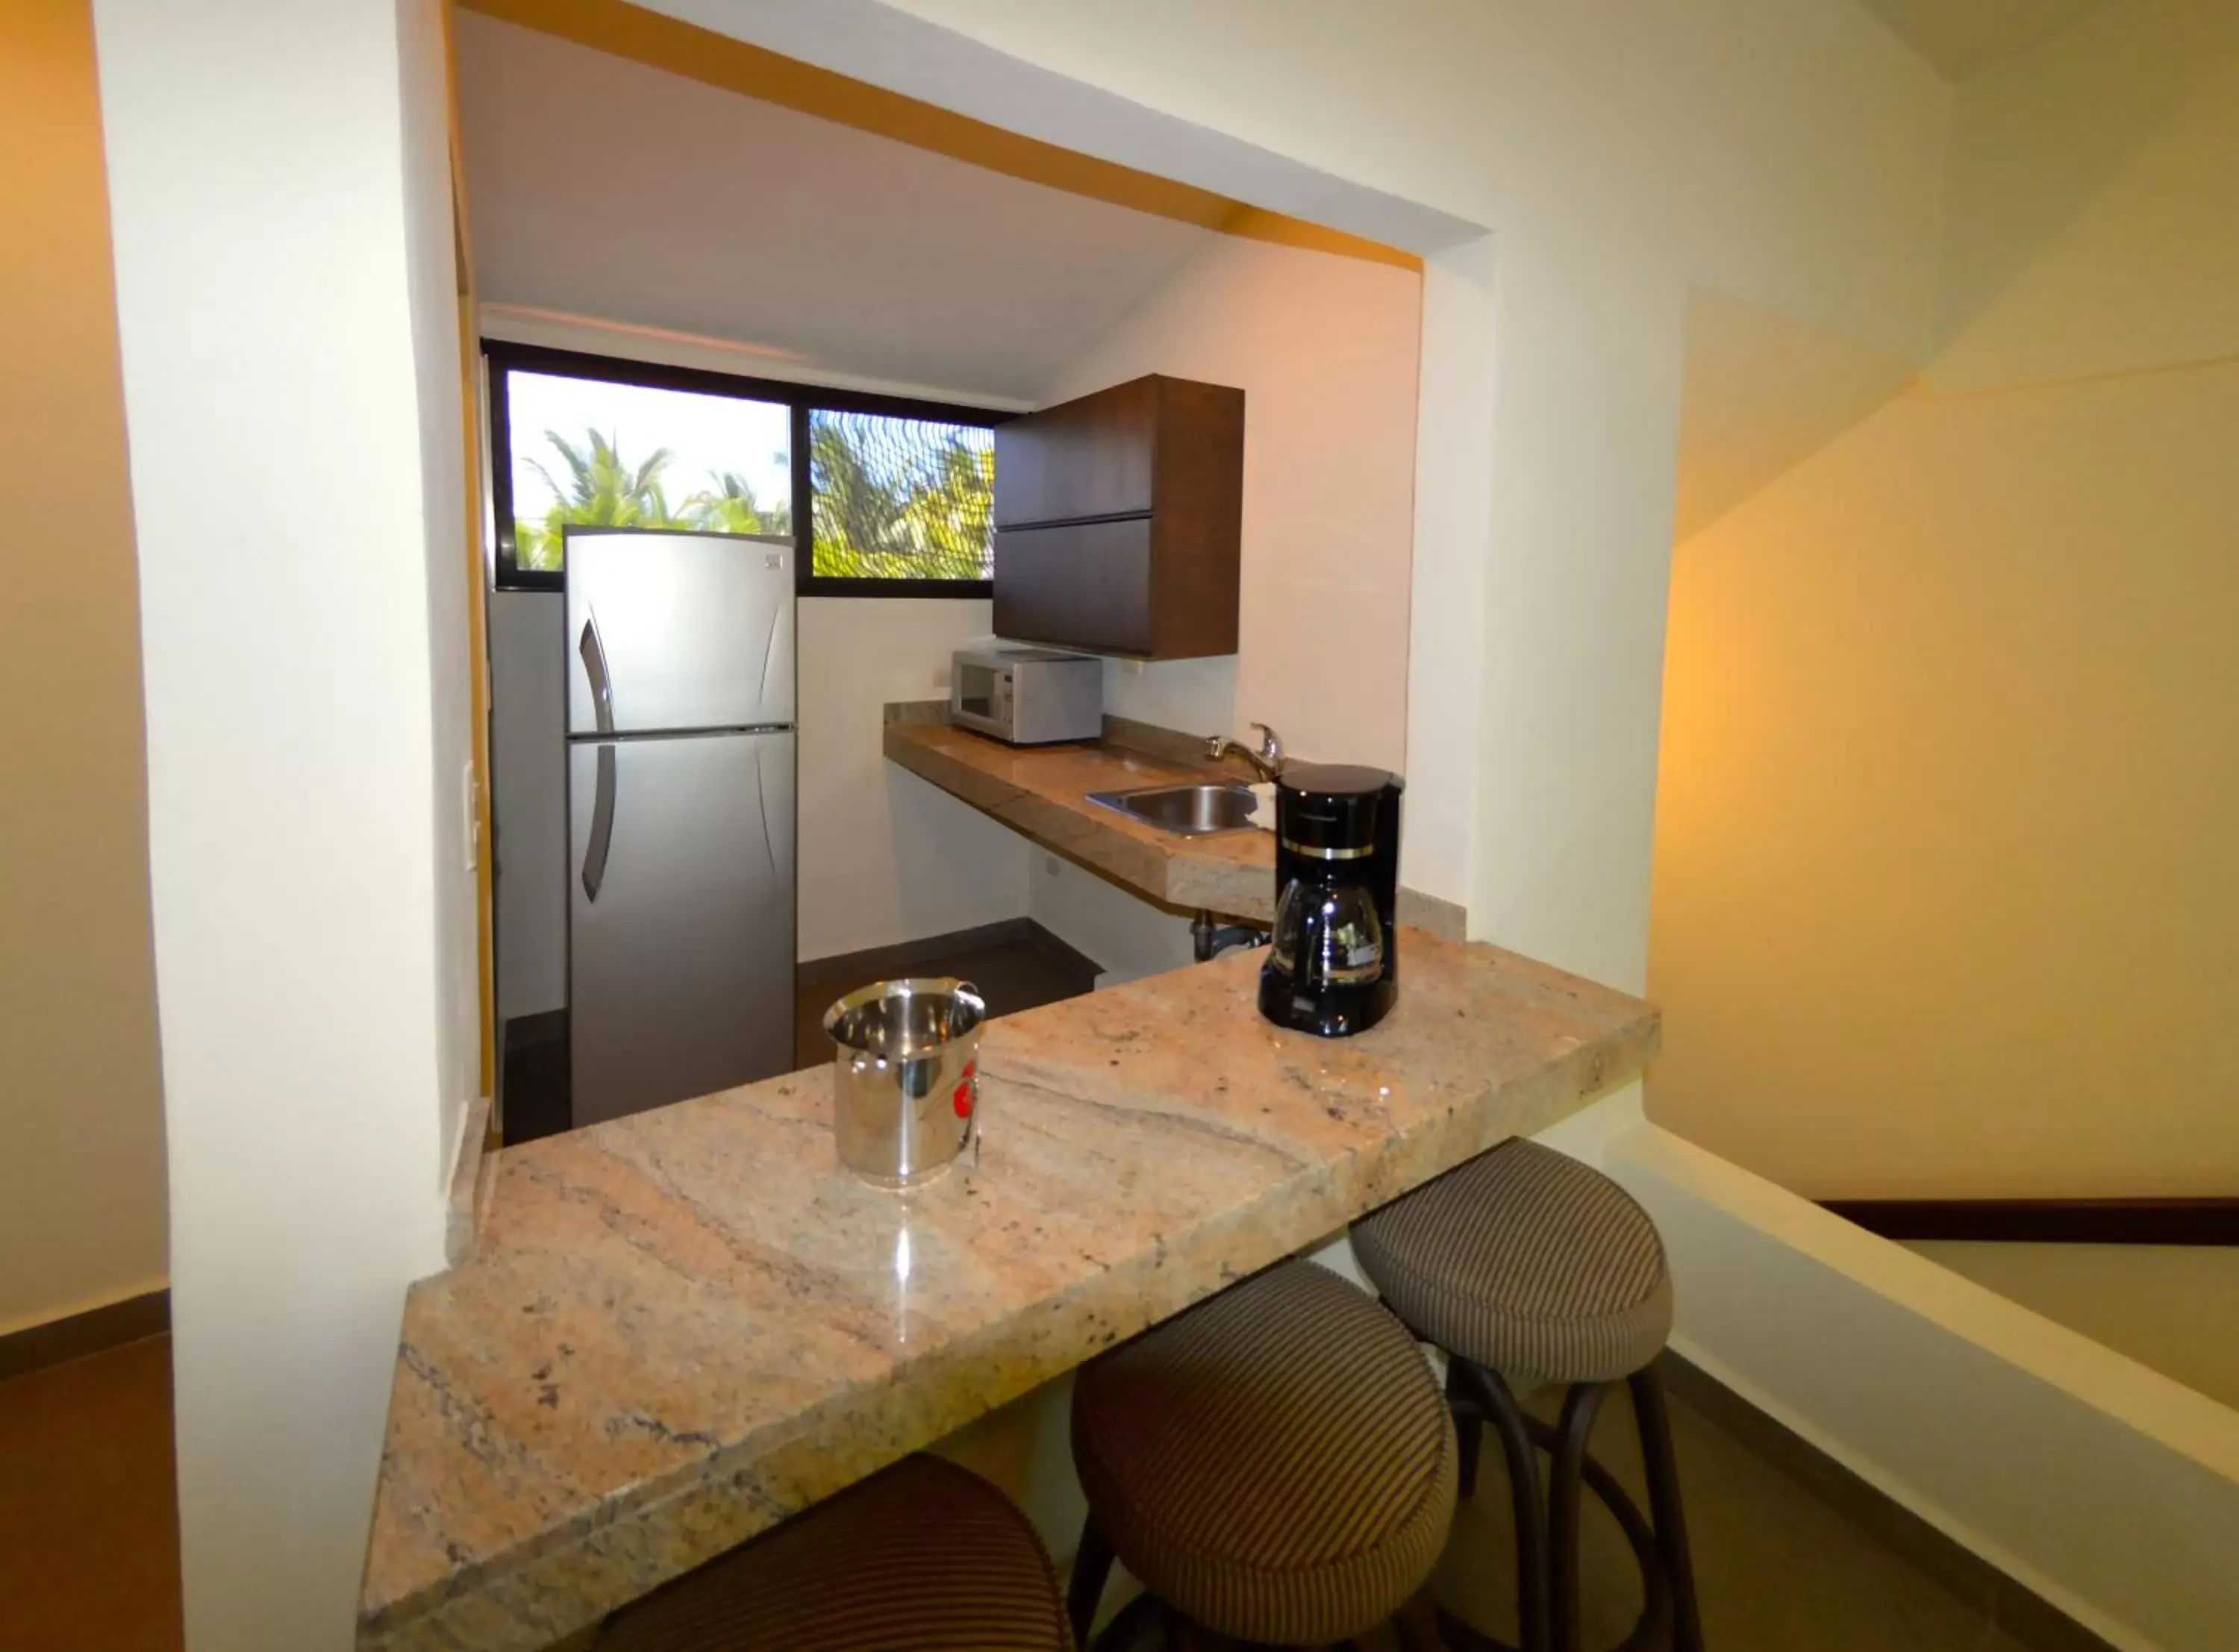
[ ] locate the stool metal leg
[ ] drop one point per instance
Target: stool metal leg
(1565, 1478)
(1468, 1420)
(1524, 1497)
(1665, 1511)
(1091, 1569)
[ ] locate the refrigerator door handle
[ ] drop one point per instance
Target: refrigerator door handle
(603, 824)
(762, 802)
(593, 648)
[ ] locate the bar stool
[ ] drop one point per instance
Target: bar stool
(1276, 1465)
(1527, 1267)
(924, 1556)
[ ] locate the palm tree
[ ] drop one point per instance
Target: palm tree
(604, 491)
(730, 507)
(895, 499)
(898, 499)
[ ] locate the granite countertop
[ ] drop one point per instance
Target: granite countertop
(681, 1327)
(1042, 791)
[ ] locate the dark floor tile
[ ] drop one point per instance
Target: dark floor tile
(1022, 972)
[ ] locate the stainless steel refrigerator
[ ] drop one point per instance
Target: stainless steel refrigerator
(679, 815)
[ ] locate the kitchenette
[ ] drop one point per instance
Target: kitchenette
(895, 788)
(686, 760)
(688, 1317)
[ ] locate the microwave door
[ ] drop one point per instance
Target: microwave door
(977, 690)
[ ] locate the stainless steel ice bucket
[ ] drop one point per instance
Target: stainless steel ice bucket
(906, 1076)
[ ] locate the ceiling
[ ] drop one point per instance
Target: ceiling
(1964, 37)
(597, 186)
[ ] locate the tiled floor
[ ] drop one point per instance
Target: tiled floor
(88, 1543)
(88, 1530)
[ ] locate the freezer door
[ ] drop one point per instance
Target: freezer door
(670, 631)
(680, 967)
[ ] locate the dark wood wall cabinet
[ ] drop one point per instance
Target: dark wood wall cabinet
(1119, 521)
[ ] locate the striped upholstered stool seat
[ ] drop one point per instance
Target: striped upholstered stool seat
(923, 1557)
(1276, 1463)
(1528, 1267)
(1526, 1261)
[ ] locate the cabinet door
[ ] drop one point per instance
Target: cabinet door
(1084, 585)
(1086, 457)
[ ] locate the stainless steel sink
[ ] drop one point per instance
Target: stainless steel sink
(1186, 810)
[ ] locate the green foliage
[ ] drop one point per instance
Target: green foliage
(899, 498)
(602, 491)
(730, 507)
(895, 499)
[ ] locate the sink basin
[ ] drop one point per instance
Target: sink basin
(1186, 810)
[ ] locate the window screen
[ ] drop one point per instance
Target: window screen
(901, 498)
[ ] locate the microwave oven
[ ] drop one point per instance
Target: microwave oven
(1027, 696)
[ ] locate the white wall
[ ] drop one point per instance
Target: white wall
(432, 257)
(886, 857)
(281, 217)
(1323, 348)
(1620, 154)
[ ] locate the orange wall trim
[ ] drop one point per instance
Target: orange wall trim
(718, 60)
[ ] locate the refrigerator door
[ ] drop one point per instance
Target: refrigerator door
(681, 918)
(670, 631)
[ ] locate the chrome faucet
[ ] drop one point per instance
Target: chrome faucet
(1267, 761)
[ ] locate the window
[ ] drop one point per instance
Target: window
(897, 494)
(900, 498)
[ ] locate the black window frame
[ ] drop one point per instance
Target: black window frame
(503, 355)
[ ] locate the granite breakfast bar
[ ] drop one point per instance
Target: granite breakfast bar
(681, 1327)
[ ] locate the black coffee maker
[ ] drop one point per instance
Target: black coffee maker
(1333, 963)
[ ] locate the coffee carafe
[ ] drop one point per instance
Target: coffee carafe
(1333, 961)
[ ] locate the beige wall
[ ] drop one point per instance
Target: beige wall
(81, 1196)
(1324, 350)
(1945, 874)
